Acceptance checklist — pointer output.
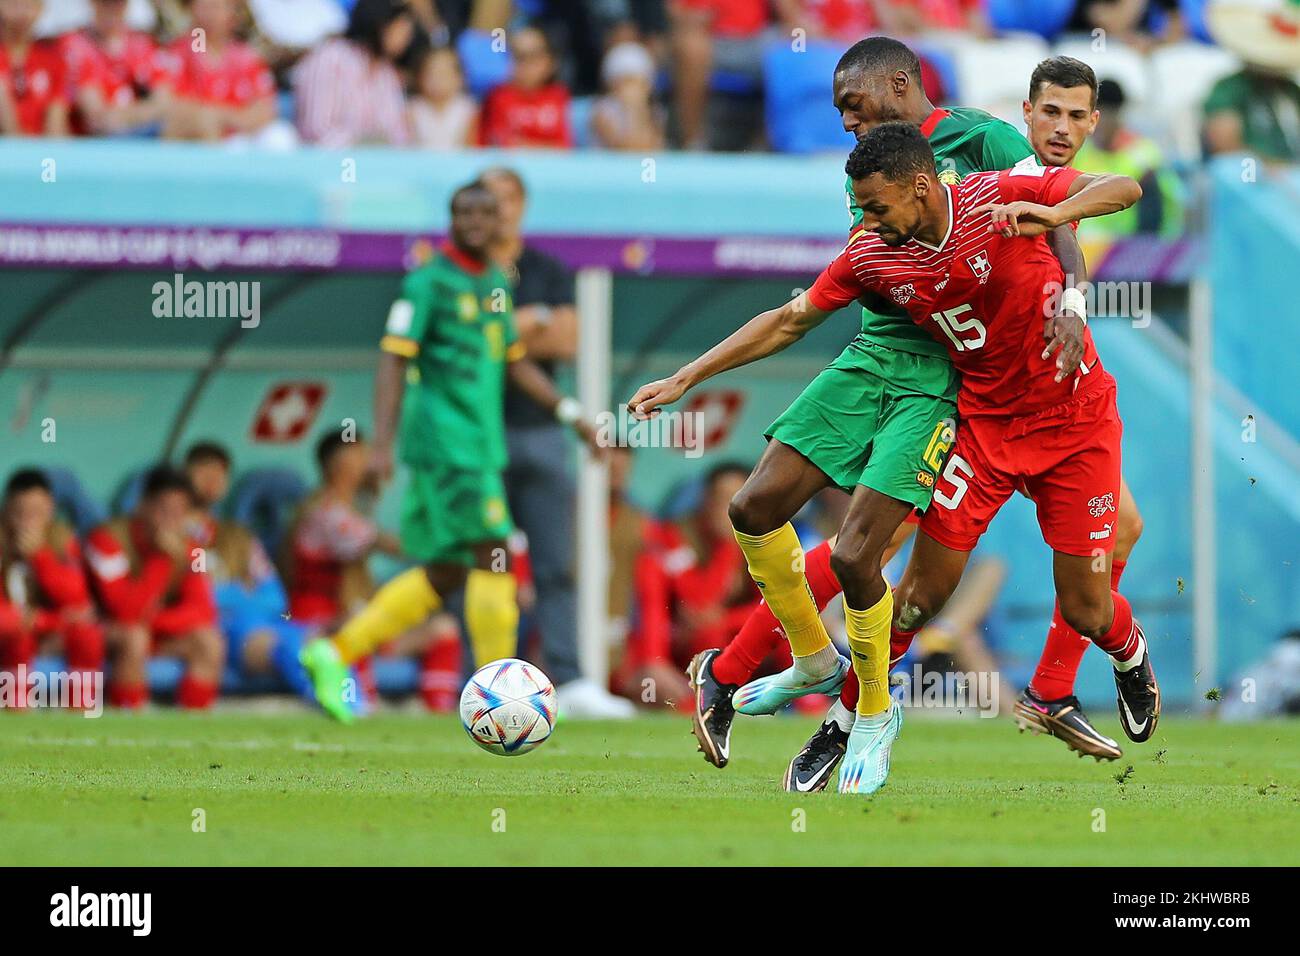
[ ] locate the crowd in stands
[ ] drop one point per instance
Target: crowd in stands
(633, 75)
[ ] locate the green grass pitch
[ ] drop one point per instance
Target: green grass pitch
(399, 789)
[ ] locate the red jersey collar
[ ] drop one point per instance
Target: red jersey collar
(464, 259)
(933, 120)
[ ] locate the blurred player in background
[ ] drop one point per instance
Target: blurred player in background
(892, 366)
(452, 335)
(538, 480)
(252, 607)
(148, 573)
(45, 603)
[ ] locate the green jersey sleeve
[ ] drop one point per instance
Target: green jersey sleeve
(409, 316)
(1004, 147)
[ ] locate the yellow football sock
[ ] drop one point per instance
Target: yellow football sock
(776, 564)
(405, 601)
(491, 615)
(868, 633)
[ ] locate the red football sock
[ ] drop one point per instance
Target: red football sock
(1116, 572)
(1122, 640)
(761, 633)
(128, 695)
(83, 646)
(1059, 663)
(849, 692)
(899, 642)
(440, 675)
(195, 694)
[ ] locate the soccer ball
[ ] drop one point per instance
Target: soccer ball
(508, 707)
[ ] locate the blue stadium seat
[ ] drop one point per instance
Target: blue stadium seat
(264, 501)
(73, 501)
(580, 109)
(396, 676)
(1193, 13)
(1047, 18)
(484, 67)
(797, 99)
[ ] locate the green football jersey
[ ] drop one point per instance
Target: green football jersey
(455, 324)
(964, 141)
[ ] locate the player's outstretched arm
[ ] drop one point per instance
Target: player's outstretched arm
(1089, 195)
(765, 334)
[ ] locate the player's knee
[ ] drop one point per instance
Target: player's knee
(129, 642)
(1129, 528)
(852, 565)
(1089, 614)
(749, 513)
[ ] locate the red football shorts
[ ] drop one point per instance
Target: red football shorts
(1065, 458)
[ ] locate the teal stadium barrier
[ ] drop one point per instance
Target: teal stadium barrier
(699, 243)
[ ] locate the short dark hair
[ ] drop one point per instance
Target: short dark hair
(163, 478)
(883, 55)
(1063, 71)
(27, 479)
(329, 444)
(895, 150)
(205, 451)
(1110, 94)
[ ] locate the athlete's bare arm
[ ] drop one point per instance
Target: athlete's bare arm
(765, 334)
(1064, 330)
(1088, 196)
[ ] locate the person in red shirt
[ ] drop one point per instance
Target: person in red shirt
(217, 85)
(532, 108)
(690, 590)
(44, 601)
(709, 35)
(150, 578)
(113, 71)
(34, 92)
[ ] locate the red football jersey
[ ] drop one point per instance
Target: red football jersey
(238, 78)
(123, 72)
(36, 84)
(515, 117)
(981, 294)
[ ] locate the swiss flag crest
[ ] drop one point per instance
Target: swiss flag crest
(980, 265)
(708, 419)
(288, 411)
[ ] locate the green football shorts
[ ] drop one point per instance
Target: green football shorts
(446, 511)
(861, 429)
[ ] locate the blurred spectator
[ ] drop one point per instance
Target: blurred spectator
(692, 590)
(251, 603)
(1114, 148)
(911, 17)
(709, 36)
(218, 85)
(113, 70)
(626, 117)
(44, 600)
(34, 88)
(539, 485)
(329, 544)
(348, 89)
(1139, 23)
(331, 537)
(148, 574)
(1256, 110)
(532, 108)
(442, 115)
(66, 16)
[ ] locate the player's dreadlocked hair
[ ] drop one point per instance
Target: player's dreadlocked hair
(882, 55)
(895, 150)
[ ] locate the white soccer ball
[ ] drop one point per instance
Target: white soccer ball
(508, 707)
